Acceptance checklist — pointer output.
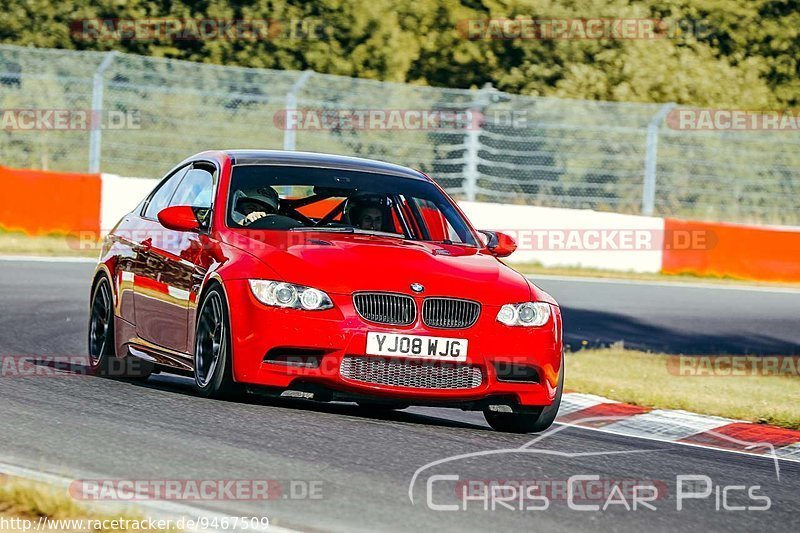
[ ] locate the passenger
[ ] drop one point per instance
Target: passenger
(370, 218)
(368, 211)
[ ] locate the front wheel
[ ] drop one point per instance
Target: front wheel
(213, 373)
(531, 422)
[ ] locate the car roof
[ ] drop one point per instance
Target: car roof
(313, 159)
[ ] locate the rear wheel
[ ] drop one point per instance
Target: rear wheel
(532, 421)
(213, 373)
(102, 344)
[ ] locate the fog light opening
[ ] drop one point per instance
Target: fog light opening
(303, 395)
(500, 408)
(516, 373)
(301, 357)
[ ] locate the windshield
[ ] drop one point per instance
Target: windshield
(319, 199)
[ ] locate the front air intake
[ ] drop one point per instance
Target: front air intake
(386, 308)
(450, 313)
(410, 374)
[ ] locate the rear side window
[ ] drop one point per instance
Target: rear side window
(160, 199)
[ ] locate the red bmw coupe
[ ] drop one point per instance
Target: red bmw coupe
(327, 278)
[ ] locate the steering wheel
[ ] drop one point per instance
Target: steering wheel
(275, 222)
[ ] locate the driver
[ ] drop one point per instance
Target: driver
(253, 204)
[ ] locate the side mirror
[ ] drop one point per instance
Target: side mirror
(499, 244)
(179, 218)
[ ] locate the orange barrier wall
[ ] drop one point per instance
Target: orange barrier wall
(745, 252)
(39, 202)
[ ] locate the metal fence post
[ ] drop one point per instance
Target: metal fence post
(650, 160)
(95, 133)
(472, 145)
(472, 142)
(289, 133)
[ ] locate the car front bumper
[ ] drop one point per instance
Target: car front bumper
(272, 348)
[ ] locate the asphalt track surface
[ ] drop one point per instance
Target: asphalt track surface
(88, 427)
(679, 318)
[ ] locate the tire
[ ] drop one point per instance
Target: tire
(103, 359)
(530, 422)
(213, 372)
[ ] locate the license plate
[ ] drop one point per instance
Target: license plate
(416, 346)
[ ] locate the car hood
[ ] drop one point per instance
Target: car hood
(347, 263)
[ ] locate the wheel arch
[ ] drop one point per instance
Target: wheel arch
(101, 272)
(214, 280)
(229, 387)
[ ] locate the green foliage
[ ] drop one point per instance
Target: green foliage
(713, 52)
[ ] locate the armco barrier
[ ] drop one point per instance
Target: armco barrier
(746, 252)
(41, 202)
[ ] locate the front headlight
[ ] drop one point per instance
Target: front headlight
(289, 295)
(524, 314)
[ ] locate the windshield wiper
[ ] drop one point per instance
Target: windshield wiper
(452, 243)
(376, 233)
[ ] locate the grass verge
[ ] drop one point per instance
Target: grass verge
(54, 245)
(649, 380)
(26, 500)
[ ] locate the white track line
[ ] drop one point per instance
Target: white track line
(46, 259)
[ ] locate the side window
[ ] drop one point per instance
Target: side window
(195, 189)
(439, 228)
(160, 199)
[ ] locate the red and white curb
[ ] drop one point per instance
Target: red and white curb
(609, 416)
